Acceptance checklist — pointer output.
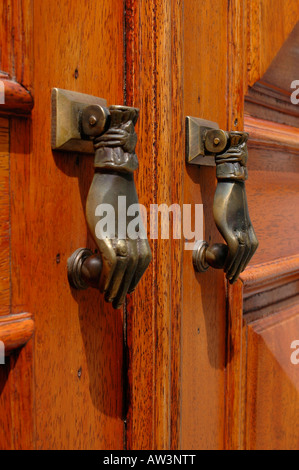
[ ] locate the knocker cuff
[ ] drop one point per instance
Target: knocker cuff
(232, 164)
(115, 159)
(115, 149)
(231, 171)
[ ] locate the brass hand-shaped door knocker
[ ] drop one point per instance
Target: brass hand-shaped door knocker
(123, 258)
(207, 145)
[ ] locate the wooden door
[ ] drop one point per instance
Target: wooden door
(190, 362)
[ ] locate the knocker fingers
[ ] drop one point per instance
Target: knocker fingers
(122, 260)
(132, 259)
(109, 263)
(128, 276)
(241, 267)
(233, 249)
(250, 248)
(238, 259)
(236, 266)
(113, 138)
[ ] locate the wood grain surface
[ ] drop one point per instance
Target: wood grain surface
(17, 100)
(263, 305)
(272, 382)
(16, 38)
(17, 430)
(79, 338)
(4, 219)
(16, 330)
(204, 304)
(268, 27)
(148, 86)
(261, 385)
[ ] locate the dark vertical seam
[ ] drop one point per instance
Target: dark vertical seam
(125, 358)
(171, 242)
(155, 135)
(182, 253)
(155, 192)
(9, 217)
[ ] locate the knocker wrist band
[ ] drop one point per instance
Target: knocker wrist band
(231, 171)
(115, 159)
(115, 149)
(231, 165)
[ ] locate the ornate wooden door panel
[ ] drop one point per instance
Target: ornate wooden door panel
(263, 381)
(222, 399)
(74, 398)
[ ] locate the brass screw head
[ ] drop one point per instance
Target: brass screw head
(215, 140)
(92, 120)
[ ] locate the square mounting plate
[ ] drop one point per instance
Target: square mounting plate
(66, 107)
(195, 150)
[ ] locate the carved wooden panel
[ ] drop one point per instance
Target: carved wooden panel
(262, 394)
(262, 385)
(270, 97)
(272, 381)
(16, 327)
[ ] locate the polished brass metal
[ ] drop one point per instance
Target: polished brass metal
(230, 209)
(124, 259)
(215, 141)
(196, 130)
(93, 120)
(84, 269)
(121, 262)
(74, 268)
(199, 256)
(204, 256)
(66, 108)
